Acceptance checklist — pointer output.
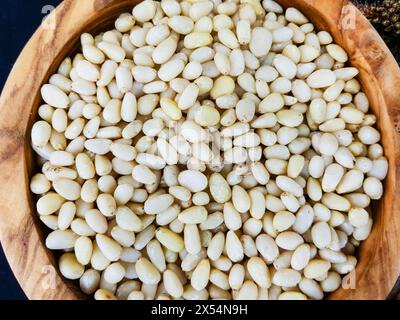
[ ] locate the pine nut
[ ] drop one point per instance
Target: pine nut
(222, 143)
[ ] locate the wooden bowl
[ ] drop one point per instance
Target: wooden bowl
(21, 232)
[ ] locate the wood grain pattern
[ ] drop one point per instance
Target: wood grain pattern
(20, 229)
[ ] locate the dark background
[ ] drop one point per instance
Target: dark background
(18, 21)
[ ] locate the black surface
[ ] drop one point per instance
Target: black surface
(18, 21)
(202, 310)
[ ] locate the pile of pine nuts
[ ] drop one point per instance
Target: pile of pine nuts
(207, 149)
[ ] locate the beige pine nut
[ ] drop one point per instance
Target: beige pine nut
(114, 273)
(232, 217)
(70, 268)
(316, 268)
(172, 284)
(98, 260)
(243, 31)
(233, 247)
(337, 53)
(193, 215)
(259, 272)
(283, 220)
(128, 220)
(248, 291)
(96, 221)
(89, 281)
(66, 215)
(156, 255)
(222, 63)
(93, 54)
(219, 188)
(169, 239)
(180, 193)
(112, 51)
(301, 257)
(41, 132)
(292, 295)
(87, 71)
(201, 275)
(285, 66)
(241, 199)
(188, 96)
(192, 239)
(59, 121)
(146, 272)
(335, 202)
(59, 239)
(286, 277)
(109, 247)
(197, 39)
(224, 85)
(289, 185)
(171, 69)
(321, 79)
(104, 294)
(68, 189)
(167, 152)
(289, 240)
(46, 112)
(54, 96)
(195, 181)
(321, 234)
(158, 204)
(49, 203)
(261, 41)
(358, 217)
(164, 51)
(143, 174)
(83, 250)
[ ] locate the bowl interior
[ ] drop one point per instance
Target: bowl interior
(103, 19)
